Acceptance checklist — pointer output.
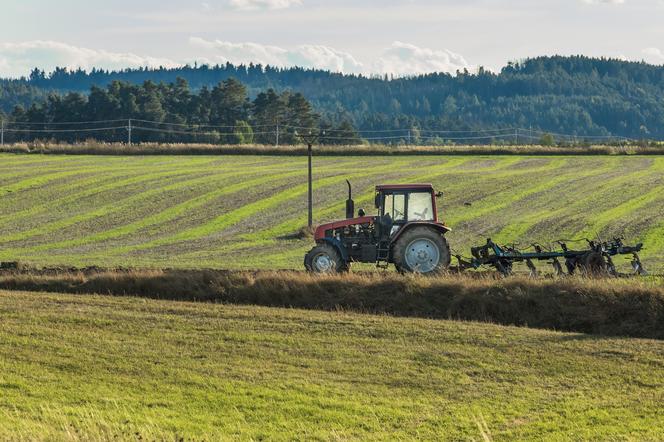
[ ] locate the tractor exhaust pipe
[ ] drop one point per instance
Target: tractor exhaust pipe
(350, 204)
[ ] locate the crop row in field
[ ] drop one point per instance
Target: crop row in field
(244, 211)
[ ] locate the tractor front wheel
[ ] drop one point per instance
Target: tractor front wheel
(324, 258)
(421, 250)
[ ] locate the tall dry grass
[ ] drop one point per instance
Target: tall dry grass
(599, 306)
(98, 148)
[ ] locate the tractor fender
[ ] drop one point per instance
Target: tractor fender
(443, 229)
(337, 245)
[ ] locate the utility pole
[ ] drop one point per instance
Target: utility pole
(277, 143)
(310, 191)
(531, 137)
(310, 138)
(516, 136)
(409, 143)
(129, 132)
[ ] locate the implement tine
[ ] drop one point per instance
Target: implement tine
(557, 268)
(532, 268)
(638, 266)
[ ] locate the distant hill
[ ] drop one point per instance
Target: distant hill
(573, 95)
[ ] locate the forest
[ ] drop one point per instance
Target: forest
(171, 112)
(588, 98)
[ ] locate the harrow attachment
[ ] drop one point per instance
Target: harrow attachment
(595, 260)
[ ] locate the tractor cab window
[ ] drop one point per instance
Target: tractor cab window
(395, 206)
(420, 207)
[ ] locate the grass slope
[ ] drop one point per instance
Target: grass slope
(243, 211)
(82, 367)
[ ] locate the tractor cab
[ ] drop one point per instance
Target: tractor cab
(406, 203)
(399, 205)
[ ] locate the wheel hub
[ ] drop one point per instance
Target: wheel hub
(422, 255)
(324, 263)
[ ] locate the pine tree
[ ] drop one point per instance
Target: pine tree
(269, 115)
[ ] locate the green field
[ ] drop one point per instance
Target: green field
(244, 211)
(82, 367)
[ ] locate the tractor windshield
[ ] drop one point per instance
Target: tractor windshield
(420, 207)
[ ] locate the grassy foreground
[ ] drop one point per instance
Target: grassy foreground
(81, 367)
(244, 211)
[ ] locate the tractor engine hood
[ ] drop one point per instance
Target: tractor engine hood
(320, 230)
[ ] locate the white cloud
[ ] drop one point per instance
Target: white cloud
(307, 56)
(324, 57)
(17, 59)
(406, 59)
(653, 55)
(252, 5)
(399, 59)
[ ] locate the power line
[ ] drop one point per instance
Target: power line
(570, 135)
(63, 123)
(507, 129)
(64, 130)
(183, 132)
(323, 137)
(390, 134)
(343, 130)
(405, 131)
(576, 137)
(163, 123)
(483, 137)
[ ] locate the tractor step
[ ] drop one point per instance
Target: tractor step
(383, 254)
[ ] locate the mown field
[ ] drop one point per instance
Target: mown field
(244, 212)
(83, 367)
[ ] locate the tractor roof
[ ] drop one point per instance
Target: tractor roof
(404, 187)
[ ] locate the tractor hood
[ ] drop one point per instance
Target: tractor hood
(320, 230)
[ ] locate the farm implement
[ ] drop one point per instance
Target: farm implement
(406, 232)
(595, 259)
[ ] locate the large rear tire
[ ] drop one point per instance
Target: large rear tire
(423, 250)
(324, 259)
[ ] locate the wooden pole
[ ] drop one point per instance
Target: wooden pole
(310, 196)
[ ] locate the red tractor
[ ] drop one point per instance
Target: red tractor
(406, 232)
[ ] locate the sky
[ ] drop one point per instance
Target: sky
(400, 37)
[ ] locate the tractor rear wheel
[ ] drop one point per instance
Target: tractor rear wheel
(421, 249)
(324, 258)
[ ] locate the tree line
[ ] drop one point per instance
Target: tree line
(580, 96)
(172, 112)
